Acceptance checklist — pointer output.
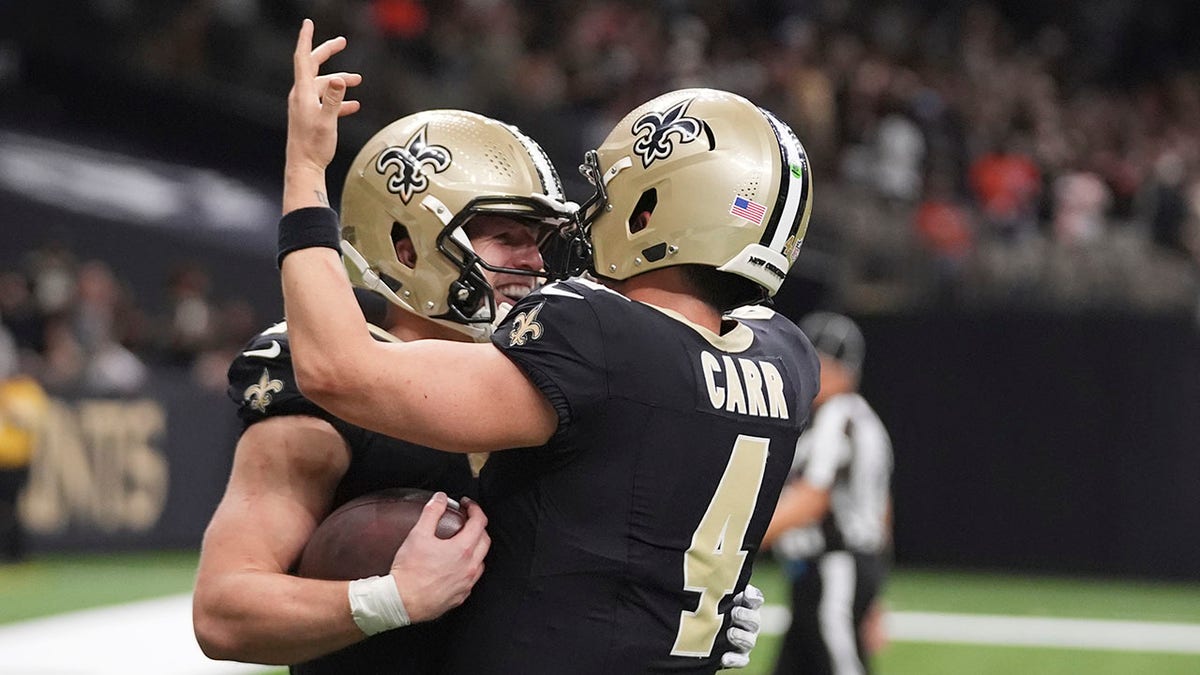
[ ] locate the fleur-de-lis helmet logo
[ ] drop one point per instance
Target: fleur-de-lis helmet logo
(409, 161)
(658, 129)
(525, 328)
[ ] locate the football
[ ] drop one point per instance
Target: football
(359, 539)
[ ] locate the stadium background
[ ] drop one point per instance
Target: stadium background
(1008, 200)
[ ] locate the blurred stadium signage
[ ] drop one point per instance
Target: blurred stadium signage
(129, 473)
(100, 465)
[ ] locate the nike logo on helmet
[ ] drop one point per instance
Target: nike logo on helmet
(266, 353)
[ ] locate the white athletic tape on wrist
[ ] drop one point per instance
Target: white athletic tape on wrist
(376, 606)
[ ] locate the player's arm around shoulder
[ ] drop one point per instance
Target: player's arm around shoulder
(246, 607)
(457, 397)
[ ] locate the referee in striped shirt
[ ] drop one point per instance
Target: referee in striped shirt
(832, 527)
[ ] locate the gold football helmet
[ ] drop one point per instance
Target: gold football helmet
(727, 184)
(425, 176)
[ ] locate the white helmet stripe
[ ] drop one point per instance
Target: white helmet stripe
(551, 185)
(797, 191)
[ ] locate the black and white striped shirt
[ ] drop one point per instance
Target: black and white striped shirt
(846, 450)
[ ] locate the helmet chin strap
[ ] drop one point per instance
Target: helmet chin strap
(370, 278)
(618, 166)
(481, 332)
(437, 208)
(442, 213)
(502, 311)
(477, 332)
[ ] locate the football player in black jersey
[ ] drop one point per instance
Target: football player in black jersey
(309, 461)
(654, 415)
(295, 462)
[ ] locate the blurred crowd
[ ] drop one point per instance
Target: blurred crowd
(971, 155)
(77, 327)
(966, 153)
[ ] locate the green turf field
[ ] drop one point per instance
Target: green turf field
(978, 593)
(52, 584)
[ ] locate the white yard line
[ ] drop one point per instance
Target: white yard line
(142, 638)
(1026, 631)
(1033, 631)
(155, 636)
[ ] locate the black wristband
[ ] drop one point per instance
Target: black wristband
(306, 228)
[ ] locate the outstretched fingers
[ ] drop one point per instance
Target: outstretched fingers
(331, 89)
(307, 61)
(327, 49)
(351, 79)
(303, 70)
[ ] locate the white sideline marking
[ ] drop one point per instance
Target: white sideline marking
(142, 638)
(1024, 631)
(1032, 631)
(155, 636)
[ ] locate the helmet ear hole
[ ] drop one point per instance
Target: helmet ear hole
(406, 251)
(646, 205)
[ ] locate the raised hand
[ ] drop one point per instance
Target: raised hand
(314, 105)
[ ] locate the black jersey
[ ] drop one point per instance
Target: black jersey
(618, 546)
(263, 383)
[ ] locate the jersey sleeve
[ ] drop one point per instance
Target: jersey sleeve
(555, 337)
(262, 383)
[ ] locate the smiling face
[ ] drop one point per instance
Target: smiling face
(505, 242)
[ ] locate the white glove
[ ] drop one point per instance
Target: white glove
(746, 621)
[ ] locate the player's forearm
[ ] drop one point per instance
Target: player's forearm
(263, 617)
(434, 393)
(303, 186)
(326, 328)
(800, 505)
(337, 364)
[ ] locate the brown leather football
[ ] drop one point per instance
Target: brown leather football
(359, 539)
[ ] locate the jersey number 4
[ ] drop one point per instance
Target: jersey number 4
(714, 561)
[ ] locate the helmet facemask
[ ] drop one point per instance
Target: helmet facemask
(432, 173)
(472, 298)
(576, 236)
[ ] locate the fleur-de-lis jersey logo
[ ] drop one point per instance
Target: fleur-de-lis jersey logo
(658, 128)
(525, 327)
(259, 394)
(409, 162)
